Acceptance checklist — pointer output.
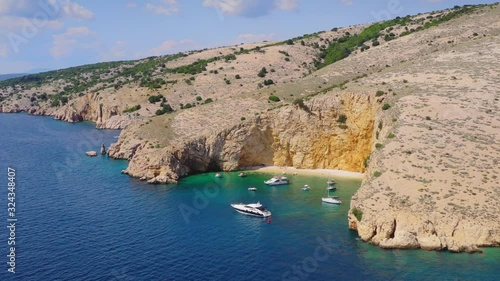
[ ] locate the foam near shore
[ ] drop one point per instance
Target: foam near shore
(322, 172)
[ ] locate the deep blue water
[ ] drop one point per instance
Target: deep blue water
(80, 219)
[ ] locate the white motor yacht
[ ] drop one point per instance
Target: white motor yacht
(256, 210)
(278, 181)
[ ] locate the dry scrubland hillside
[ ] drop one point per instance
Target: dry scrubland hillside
(413, 102)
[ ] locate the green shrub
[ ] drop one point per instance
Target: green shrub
(268, 82)
(132, 109)
(262, 72)
(386, 106)
(342, 119)
(243, 119)
(357, 213)
(378, 145)
(55, 103)
(377, 174)
(166, 108)
(391, 136)
(209, 100)
(198, 98)
(343, 127)
(287, 59)
(237, 76)
(155, 99)
(274, 98)
(380, 93)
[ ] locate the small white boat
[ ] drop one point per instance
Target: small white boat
(255, 210)
(332, 200)
(306, 187)
(242, 175)
(332, 185)
(252, 188)
(218, 175)
(277, 181)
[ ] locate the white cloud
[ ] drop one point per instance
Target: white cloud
(132, 5)
(16, 23)
(48, 9)
(250, 8)
(15, 67)
(287, 5)
(75, 11)
(347, 2)
(164, 48)
(167, 8)
(4, 50)
(168, 47)
(254, 38)
(116, 52)
(64, 43)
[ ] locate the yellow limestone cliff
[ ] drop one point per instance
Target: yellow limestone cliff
(307, 135)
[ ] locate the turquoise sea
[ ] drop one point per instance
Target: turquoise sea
(78, 218)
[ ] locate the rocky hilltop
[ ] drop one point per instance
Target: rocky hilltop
(412, 102)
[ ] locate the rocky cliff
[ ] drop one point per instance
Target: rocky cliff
(309, 135)
(416, 105)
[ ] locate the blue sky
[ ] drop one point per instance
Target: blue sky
(53, 34)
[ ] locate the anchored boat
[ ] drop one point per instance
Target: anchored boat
(278, 181)
(255, 210)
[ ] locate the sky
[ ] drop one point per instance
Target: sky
(53, 34)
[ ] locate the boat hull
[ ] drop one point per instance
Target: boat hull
(249, 212)
(276, 184)
(331, 201)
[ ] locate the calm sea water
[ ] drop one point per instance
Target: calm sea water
(80, 219)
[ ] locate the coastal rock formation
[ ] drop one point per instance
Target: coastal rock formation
(418, 110)
(306, 136)
(103, 149)
(432, 181)
(91, 153)
(92, 108)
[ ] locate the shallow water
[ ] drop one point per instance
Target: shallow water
(80, 219)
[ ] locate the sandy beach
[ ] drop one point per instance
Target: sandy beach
(291, 171)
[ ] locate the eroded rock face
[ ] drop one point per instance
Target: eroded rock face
(307, 136)
(91, 108)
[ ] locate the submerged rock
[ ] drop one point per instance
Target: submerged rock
(91, 153)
